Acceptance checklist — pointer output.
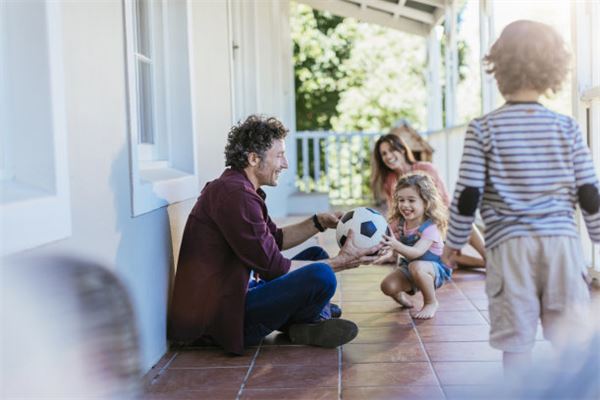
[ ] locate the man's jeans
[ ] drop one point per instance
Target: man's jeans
(299, 296)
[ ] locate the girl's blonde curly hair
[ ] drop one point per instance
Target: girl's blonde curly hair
(434, 208)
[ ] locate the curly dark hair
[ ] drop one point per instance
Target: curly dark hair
(254, 135)
(528, 55)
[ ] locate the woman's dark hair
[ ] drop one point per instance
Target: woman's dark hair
(378, 168)
(254, 135)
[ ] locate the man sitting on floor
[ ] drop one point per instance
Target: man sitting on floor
(229, 233)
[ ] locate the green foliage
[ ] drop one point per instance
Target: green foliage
(353, 76)
(322, 42)
(390, 66)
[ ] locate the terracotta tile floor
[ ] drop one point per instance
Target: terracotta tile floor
(393, 357)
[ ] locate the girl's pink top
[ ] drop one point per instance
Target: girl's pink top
(420, 166)
(430, 233)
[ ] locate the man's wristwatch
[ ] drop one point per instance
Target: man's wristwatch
(317, 224)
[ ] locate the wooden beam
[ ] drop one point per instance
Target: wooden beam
(590, 94)
(434, 3)
(438, 16)
(401, 10)
(345, 9)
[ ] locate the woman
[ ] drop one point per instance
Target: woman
(392, 158)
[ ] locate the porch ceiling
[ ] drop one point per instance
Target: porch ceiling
(413, 16)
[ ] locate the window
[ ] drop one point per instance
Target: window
(34, 195)
(159, 78)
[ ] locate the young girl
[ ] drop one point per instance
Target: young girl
(393, 158)
(419, 219)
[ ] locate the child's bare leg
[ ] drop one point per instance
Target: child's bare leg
(469, 258)
(474, 255)
(394, 285)
(423, 274)
(515, 363)
(476, 240)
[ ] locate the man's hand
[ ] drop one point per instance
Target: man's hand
(351, 256)
(330, 220)
(449, 256)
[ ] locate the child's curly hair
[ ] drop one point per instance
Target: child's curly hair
(528, 55)
(435, 210)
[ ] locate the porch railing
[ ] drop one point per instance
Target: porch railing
(339, 164)
(336, 163)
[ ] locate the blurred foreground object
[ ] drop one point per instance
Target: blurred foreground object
(68, 331)
(574, 370)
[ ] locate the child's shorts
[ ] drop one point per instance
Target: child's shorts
(533, 278)
(442, 274)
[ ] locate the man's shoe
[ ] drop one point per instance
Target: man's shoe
(327, 333)
(335, 310)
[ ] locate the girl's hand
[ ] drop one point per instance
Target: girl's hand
(386, 256)
(390, 241)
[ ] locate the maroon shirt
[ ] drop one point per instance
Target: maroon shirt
(228, 233)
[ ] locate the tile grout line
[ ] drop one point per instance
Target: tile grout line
(242, 386)
(470, 301)
(478, 311)
(162, 370)
(437, 378)
(339, 372)
(340, 349)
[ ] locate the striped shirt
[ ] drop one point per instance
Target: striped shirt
(527, 162)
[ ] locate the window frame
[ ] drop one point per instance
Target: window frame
(40, 212)
(165, 172)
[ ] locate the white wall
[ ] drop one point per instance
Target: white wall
(139, 248)
(263, 77)
(212, 87)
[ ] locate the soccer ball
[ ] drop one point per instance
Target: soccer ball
(367, 224)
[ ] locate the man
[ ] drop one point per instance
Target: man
(229, 233)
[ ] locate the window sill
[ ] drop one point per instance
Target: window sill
(30, 217)
(14, 192)
(158, 186)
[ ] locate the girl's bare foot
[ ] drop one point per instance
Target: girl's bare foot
(427, 312)
(403, 299)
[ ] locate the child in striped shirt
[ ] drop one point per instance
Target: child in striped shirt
(527, 168)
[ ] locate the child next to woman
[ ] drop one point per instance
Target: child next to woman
(418, 220)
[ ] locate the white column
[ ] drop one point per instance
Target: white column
(451, 63)
(434, 90)
(486, 35)
(586, 99)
